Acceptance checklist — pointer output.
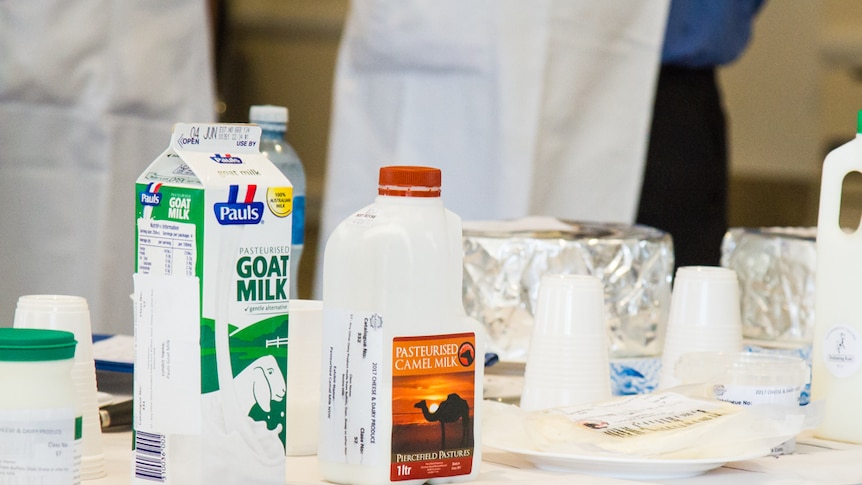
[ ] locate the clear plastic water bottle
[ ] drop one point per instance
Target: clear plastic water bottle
(273, 123)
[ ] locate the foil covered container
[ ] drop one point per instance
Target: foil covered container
(504, 262)
(776, 271)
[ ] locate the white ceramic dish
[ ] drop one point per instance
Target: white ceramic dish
(625, 467)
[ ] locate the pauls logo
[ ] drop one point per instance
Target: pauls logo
(235, 212)
(226, 158)
(152, 197)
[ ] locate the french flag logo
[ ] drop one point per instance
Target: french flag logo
(236, 211)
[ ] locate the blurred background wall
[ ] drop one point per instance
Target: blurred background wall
(791, 98)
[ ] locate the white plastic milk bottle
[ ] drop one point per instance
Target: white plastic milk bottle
(401, 374)
(837, 351)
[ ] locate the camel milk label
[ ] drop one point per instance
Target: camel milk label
(432, 406)
(412, 413)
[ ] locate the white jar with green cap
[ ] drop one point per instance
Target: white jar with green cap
(40, 427)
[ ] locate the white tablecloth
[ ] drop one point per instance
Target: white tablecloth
(814, 462)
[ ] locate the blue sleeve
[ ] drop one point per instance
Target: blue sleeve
(706, 33)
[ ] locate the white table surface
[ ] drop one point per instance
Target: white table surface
(814, 462)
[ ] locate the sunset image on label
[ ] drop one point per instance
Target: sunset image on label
(433, 389)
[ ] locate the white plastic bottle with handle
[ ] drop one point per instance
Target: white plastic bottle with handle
(401, 363)
(837, 351)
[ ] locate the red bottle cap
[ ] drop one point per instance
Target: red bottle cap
(409, 181)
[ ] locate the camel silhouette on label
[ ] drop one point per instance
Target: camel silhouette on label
(449, 411)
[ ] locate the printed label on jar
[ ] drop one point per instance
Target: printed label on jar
(841, 348)
(353, 388)
(38, 446)
(433, 389)
(751, 395)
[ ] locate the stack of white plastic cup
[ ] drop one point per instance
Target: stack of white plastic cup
(305, 337)
(71, 313)
(568, 359)
(704, 317)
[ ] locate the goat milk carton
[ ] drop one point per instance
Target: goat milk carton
(211, 307)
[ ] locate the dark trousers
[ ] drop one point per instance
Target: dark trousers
(685, 180)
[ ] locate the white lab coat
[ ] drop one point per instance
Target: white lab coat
(537, 107)
(89, 90)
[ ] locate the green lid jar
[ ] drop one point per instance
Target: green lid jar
(39, 418)
(34, 345)
(35, 368)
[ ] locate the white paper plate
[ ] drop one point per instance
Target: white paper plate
(625, 467)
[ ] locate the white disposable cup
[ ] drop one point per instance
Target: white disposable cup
(305, 337)
(704, 317)
(567, 363)
(58, 312)
(72, 314)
